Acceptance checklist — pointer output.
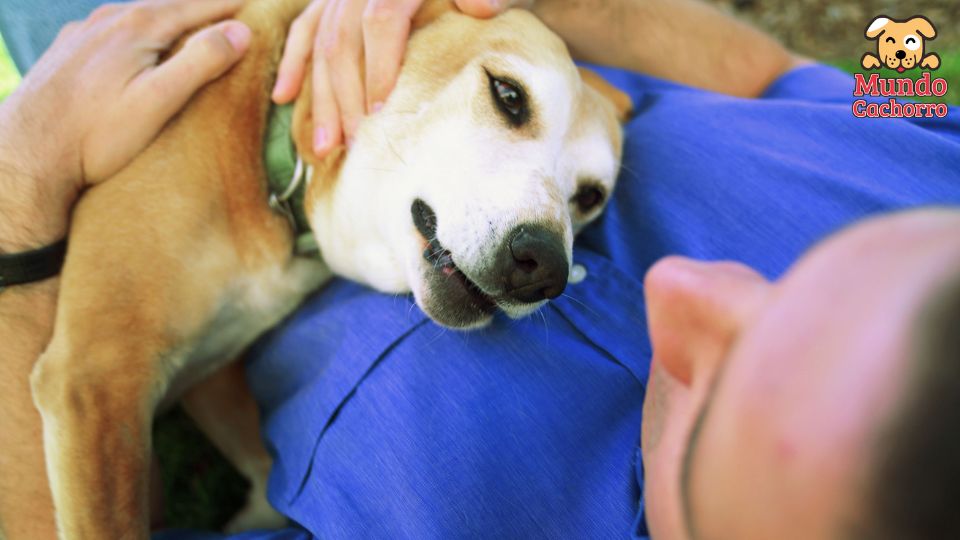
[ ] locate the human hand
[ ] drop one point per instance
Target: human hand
(98, 96)
(343, 35)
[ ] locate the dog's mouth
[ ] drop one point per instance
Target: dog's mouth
(447, 280)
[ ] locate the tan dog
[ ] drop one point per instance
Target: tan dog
(900, 44)
(466, 189)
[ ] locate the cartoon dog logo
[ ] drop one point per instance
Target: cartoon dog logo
(900, 44)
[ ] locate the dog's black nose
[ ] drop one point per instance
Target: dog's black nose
(533, 264)
(901, 55)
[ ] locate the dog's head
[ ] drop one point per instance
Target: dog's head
(468, 186)
(900, 44)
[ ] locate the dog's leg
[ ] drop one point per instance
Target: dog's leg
(223, 408)
(930, 61)
(96, 409)
(26, 508)
(870, 61)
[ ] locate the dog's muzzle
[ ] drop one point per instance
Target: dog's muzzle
(530, 265)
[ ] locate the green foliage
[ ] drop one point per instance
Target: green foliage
(201, 490)
(8, 72)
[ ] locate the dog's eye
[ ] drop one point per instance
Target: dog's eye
(588, 198)
(911, 42)
(891, 40)
(510, 100)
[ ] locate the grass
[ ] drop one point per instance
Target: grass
(201, 489)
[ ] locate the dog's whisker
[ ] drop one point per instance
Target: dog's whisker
(581, 303)
(630, 171)
(546, 325)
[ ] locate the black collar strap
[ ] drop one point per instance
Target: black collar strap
(31, 266)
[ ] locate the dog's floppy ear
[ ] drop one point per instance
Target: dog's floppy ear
(620, 100)
(876, 27)
(923, 26)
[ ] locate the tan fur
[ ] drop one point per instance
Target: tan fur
(906, 37)
(620, 100)
(177, 263)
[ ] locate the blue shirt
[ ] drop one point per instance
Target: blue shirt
(382, 424)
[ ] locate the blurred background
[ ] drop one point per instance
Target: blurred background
(833, 29)
(201, 490)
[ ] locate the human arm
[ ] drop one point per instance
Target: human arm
(686, 41)
(93, 101)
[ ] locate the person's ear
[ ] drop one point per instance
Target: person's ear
(622, 103)
(696, 309)
(923, 27)
(876, 27)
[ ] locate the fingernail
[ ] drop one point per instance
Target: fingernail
(238, 34)
(495, 5)
(376, 107)
(277, 87)
(320, 140)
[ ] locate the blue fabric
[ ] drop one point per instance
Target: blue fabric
(384, 425)
(30, 26)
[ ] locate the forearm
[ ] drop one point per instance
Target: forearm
(36, 191)
(685, 41)
(32, 214)
(34, 211)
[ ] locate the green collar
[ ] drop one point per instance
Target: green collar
(286, 174)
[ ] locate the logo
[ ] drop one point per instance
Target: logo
(901, 46)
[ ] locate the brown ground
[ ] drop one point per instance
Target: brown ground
(831, 30)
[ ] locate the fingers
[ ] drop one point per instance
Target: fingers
(386, 27)
(485, 9)
(326, 115)
(179, 16)
(341, 42)
(164, 90)
(298, 49)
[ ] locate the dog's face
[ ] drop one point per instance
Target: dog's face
(468, 186)
(900, 44)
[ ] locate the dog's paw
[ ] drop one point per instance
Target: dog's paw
(257, 514)
(931, 61)
(870, 61)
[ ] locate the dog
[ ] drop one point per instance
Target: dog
(466, 189)
(900, 44)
